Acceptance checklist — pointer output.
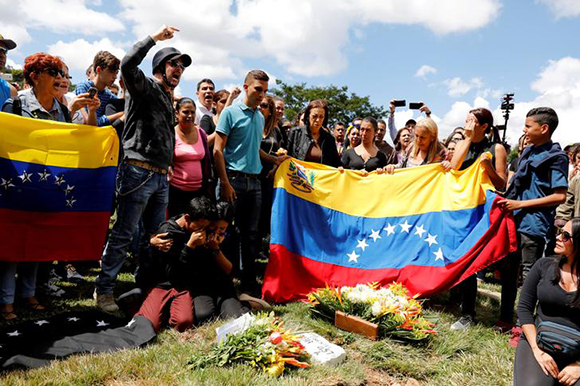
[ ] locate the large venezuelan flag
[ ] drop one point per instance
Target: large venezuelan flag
(57, 182)
(420, 226)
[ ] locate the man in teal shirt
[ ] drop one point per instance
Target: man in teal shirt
(238, 161)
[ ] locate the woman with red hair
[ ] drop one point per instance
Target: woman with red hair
(44, 73)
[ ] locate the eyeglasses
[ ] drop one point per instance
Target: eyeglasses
(176, 63)
(54, 72)
(566, 236)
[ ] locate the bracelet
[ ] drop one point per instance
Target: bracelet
(215, 252)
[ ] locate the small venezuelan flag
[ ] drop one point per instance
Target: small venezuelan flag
(421, 226)
(57, 182)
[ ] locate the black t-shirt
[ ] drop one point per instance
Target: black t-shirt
(553, 302)
(477, 149)
(206, 124)
(351, 160)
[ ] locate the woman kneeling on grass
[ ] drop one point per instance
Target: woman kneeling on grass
(552, 286)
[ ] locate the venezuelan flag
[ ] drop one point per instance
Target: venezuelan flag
(422, 227)
(57, 183)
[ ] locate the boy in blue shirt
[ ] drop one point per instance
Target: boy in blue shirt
(538, 186)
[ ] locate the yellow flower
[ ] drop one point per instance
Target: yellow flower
(276, 369)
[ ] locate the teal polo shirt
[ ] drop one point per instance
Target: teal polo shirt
(243, 127)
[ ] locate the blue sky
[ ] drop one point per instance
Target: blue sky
(477, 50)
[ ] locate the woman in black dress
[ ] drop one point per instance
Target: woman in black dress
(365, 156)
(550, 294)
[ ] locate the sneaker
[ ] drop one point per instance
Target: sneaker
(72, 275)
(255, 303)
(106, 302)
(463, 323)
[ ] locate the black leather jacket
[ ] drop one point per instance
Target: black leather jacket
(299, 141)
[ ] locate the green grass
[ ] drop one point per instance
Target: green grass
(479, 356)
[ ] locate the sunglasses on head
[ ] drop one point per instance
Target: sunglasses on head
(54, 72)
(565, 235)
(176, 63)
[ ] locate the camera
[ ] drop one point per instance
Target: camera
(399, 102)
(415, 105)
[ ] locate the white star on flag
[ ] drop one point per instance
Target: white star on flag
(101, 323)
(438, 255)
(68, 189)
(362, 244)
(353, 257)
(431, 239)
(15, 333)
(25, 177)
(73, 319)
(131, 322)
(419, 231)
(70, 202)
(44, 175)
(390, 229)
(375, 235)
(405, 227)
(59, 180)
(41, 322)
(7, 184)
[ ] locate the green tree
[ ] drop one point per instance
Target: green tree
(343, 106)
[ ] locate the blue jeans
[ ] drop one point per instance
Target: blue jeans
(26, 276)
(141, 195)
(247, 217)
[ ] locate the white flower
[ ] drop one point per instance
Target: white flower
(377, 308)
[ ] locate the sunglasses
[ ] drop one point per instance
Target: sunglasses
(3, 50)
(264, 105)
(176, 63)
(54, 72)
(566, 236)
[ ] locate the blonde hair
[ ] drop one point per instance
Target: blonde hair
(435, 147)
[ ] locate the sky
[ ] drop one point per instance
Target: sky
(452, 54)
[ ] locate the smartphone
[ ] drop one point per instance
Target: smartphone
(92, 92)
(415, 105)
(399, 102)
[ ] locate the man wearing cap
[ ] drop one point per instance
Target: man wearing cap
(148, 143)
(6, 90)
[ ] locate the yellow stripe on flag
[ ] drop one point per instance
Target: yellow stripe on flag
(51, 143)
(407, 192)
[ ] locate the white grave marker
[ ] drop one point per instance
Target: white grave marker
(322, 351)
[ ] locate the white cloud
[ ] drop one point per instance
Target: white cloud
(60, 16)
(557, 85)
(13, 64)
(305, 37)
(78, 54)
(424, 70)
(457, 87)
(563, 8)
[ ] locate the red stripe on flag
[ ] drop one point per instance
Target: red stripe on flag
(42, 236)
(291, 277)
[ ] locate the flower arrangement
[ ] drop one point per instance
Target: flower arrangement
(397, 314)
(265, 344)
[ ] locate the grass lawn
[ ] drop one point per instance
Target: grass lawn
(479, 356)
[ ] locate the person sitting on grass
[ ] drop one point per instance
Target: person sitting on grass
(169, 267)
(550, 295)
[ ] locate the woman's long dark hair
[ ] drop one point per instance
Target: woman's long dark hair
(574, 268)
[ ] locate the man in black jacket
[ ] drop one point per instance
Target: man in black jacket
(148, 142)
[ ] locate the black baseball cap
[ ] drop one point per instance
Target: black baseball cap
(7, 43)
(169, 53)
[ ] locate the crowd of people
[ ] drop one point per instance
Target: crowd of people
(195, 190)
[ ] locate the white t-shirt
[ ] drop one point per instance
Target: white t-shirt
(200, 111)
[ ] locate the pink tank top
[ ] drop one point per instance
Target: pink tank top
(187, 170)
